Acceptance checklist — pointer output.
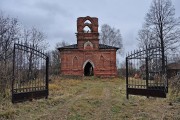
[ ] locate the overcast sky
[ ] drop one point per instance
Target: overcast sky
(57, 18)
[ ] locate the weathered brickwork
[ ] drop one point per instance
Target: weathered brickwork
(88, 57)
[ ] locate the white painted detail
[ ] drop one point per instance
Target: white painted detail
(88, 43)
(87, 62)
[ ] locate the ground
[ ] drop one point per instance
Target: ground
(91, 99)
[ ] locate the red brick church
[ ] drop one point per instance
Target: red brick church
(88, 57)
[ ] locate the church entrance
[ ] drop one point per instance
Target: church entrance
(88, 69)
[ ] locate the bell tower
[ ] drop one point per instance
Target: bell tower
(87, 33)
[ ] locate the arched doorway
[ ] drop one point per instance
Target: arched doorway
(88, 69)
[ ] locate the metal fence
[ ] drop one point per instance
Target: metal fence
(145, 72)
(30, 73)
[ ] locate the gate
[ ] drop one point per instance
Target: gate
(145, 73)
(30, 73)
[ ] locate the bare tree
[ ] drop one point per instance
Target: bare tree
(162, 23)
(55, 62)
(162, 26)
(34, 37)
(10, 32)
(174, 58)
(111, 36)
(145, 37)
(8, 35)
(36, 40)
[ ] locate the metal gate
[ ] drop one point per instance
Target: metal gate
(145, 73)
(30, 73)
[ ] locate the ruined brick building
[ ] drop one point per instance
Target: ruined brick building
(88, 57)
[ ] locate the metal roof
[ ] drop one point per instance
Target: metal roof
(101, 46)
(74, 46)
(175, 66)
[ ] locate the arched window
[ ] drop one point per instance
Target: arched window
(87, 29)
(75, 62)
(87, 22)
(102, 61)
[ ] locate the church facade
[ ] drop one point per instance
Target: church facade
(88, 57)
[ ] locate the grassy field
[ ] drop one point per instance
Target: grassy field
(91, 99)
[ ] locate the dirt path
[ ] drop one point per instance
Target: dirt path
(104, 112)
(62, 111)
(101, 113)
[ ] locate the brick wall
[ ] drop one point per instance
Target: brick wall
(104, 62)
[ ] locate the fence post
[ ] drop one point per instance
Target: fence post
(47, 76)
(13, 75)
(167, 84)
(127, 95)
(147, 74)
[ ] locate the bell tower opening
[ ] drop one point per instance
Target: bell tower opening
(88, 69)
(87, 29)
(87, 22)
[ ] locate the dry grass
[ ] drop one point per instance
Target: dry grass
(91, 99)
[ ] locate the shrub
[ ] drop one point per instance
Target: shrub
(175, 84)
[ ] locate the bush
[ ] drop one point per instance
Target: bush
(175, 84)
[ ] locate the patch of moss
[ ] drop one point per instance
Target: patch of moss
(116, 109)
(75, 117)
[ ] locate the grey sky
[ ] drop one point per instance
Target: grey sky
(57, 18)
